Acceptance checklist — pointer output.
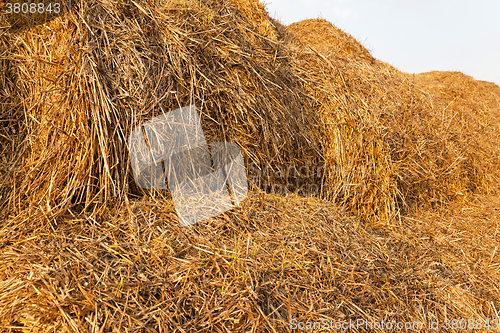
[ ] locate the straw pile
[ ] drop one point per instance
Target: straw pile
(463, 90)
(88, 79)
(84, 249)
(327, 38)
(476, 104)
(397, 140)
(258, 267)
(383, 141)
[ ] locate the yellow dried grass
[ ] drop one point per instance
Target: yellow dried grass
(400, 140)
(87, 80)
(83, 249)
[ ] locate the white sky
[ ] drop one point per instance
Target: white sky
(413, 35)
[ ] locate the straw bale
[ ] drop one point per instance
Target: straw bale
(83, 249)
(422, 147)
(325, 37)
(463, 89)
(88, 79)
(471, 111)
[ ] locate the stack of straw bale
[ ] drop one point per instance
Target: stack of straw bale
(82, 248)
(87, 79)
(398, 140)
(308, 94)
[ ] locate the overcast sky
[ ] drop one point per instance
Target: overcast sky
(414, 36)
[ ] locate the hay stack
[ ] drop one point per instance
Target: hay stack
(327, 38)
(258, 267)
(346, 87)
(470, 109)
(83, 249)
(391, 136)
(463, 90)
(88, 79)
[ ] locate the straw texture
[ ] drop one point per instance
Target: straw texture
(406, 230)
